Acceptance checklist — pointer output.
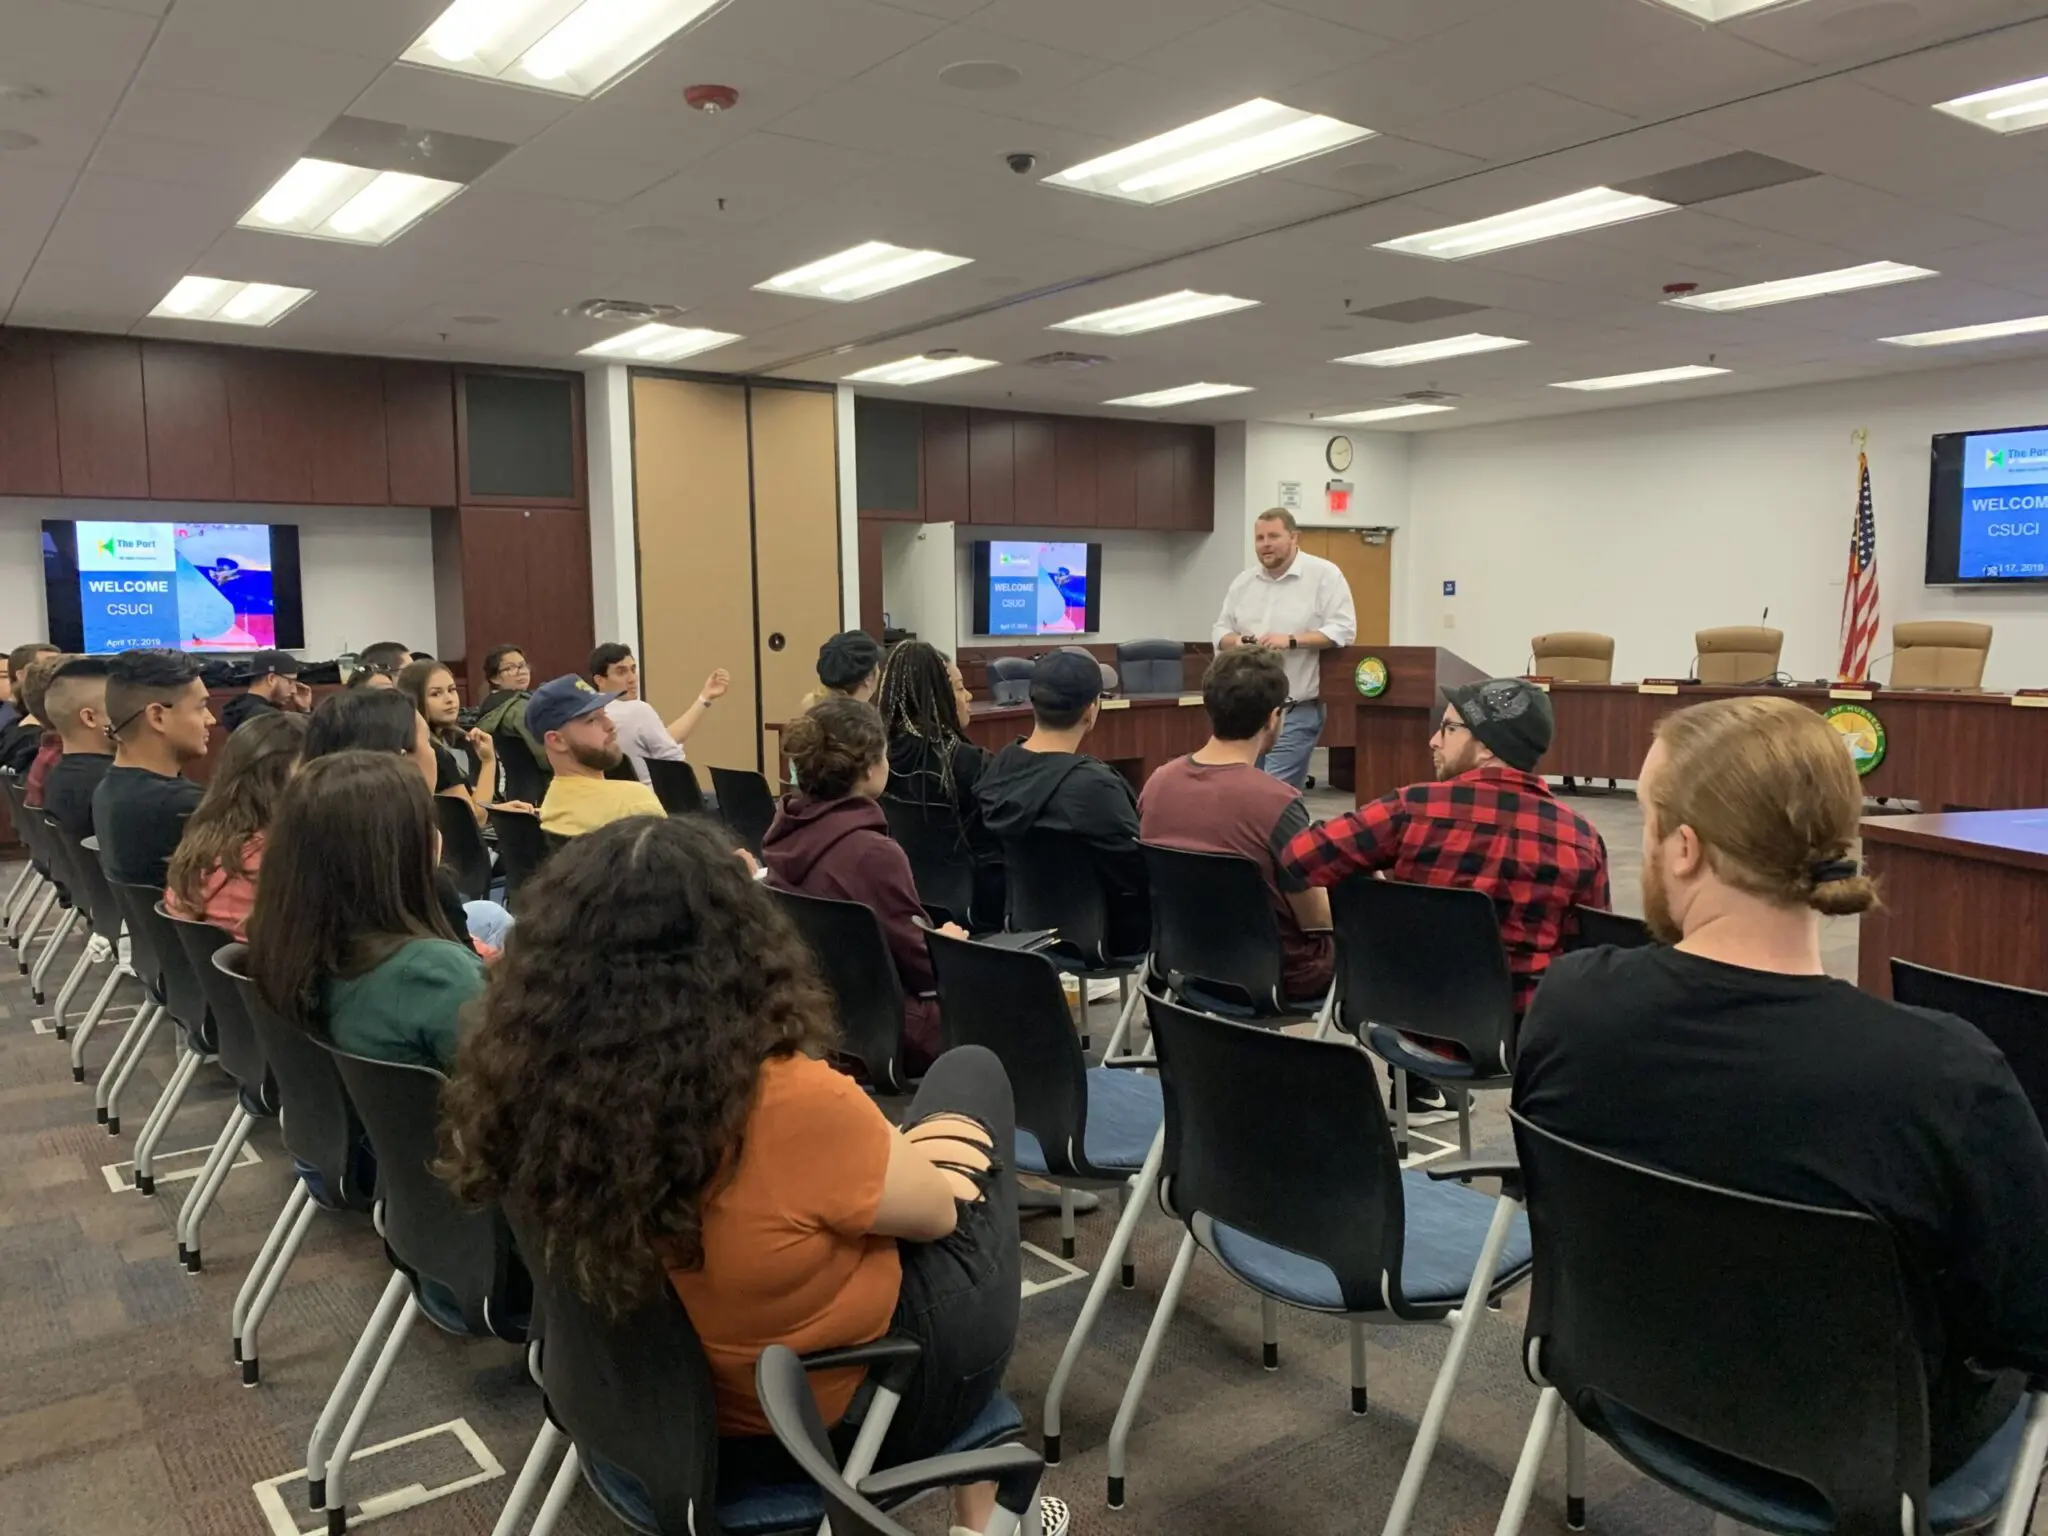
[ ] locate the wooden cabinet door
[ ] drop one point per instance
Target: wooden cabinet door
(102, 444)
(350, 463)
(991, 468)
(945, 464)
(1154, 499)
(558, 629)
(28, 417)
(1074, 469)
(796, 529)
(1037, 475)
(1116, 474)
(185, 392)
(419, 434)
(271, 399)
(1194, 479)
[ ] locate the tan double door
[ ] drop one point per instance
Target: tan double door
(736, 506)
(1368, 566)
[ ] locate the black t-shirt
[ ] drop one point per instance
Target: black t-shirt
(453, 770)
(18, 745)
(139, 817)
(1804, 1089)
(68, 790)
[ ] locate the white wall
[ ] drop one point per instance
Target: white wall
(367, 572)
(1653, 522)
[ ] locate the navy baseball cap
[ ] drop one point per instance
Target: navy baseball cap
(555, 704)
(1064, 681)
(273, 663)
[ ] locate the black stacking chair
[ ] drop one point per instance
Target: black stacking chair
(1215, 939)
(846, 940)
(463, 853)
(1052, 885)
(65, 860)
(103, 913)
(186, 1002)
(746, 804)
(940, 861)
(134, 901)
(522, 848)
(674, 783)
(239, 1054)
(1150, 667)
(28, 878)
(2015, 1019)
(1696, 1330)
(36, 890)
(51, 859)
(1279, 1163)
(451, 1263)
(1594, 928)
(1425, 960)
(526, 777)
(320, 1131)
(1009, 680)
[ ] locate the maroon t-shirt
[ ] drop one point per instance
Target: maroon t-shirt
(1234, 808)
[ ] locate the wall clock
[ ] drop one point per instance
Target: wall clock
(1339, 454)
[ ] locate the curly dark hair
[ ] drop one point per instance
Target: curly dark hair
(833, 744)
(607, 1086)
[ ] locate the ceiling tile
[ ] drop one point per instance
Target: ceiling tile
(834, 38)
(1262, 50)
(1524, 121)
(375, 29)
(187, 57)
(1106, 29)
(451, 103)
(1838, 32)
(915, 71)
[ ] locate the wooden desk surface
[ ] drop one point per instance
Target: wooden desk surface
(2018, 838)
(1965, 892)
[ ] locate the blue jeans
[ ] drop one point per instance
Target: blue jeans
(1300, 729)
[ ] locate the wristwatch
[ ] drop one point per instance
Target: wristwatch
(1293, 642)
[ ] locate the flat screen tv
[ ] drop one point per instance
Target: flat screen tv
(1987, 508)
(1036, 588)
(177, 586)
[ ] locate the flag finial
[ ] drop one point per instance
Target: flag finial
(1860, 439)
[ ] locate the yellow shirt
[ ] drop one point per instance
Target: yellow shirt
(575, 805)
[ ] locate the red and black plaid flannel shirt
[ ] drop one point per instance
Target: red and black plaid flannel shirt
(1493, 829)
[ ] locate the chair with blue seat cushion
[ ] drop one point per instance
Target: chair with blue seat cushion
(1051, 885)
(1423, 982)
(1699, 1331)
(1215, 938)
(1278, 1160)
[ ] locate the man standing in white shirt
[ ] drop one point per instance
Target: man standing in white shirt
(642, 731)
(1298, 605)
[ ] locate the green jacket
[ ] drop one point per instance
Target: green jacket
(407, 1009)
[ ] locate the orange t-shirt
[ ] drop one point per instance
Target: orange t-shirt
(789, 1257)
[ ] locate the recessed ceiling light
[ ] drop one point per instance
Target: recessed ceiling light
(1433, 351)
(1385, 413)
(981, 75)
(920, 370)
(659, 343)
(1254, 136)
(1181, 395)
(229, 303)
(572, 47)
(862, 272)
(1151, 314)
(1638, 380)
(2005, 109)
(1721, 10)
(1872, 274)
(1964, 333)
(327, 200)
(1593, 208)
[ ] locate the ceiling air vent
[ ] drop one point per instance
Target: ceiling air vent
(1067, 362)
(1415, 311)
(1427, 396)
(621, 310)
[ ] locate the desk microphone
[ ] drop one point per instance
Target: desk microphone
(1764, 622)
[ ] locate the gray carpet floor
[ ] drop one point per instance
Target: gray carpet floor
(122, 1415)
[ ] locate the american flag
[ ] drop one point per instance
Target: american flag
(1859, 597)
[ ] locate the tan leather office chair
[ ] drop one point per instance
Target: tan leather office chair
(1741, 653)
(1939, 653)
(1573, 656)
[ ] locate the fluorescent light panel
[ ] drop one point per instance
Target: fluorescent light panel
(659, 343)
(1594, 208)
(1432, 351)
(861, 272)
(228, 302)
(1872, 274)
(1244, 140)
(1181, 395)
(1967, 333)
(571, 47)
(1152, 314)
(327, 200)
(1721, 10)
(1386, 413)
(2005, 109)
(1639, 380)
(919, 370)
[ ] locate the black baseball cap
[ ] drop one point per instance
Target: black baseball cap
(555, 704)
(1511, 718)
(847, 658)
(273, 663)
(1065, 681)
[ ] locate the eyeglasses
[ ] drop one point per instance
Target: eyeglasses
(1447, 725)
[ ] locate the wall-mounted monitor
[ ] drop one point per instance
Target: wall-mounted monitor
(1987, 508)
(178, 586)
(1024, 588)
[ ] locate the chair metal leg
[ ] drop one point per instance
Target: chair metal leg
(2025, 1485)
(259, 1268)
(1066, 1222)
(128, 1065)
(1357, 1366)
(246, 1345)
(1148, 1356)
(73, 979)
(1269, 1332)
(1120, 1036)
(93, 1014)
(161, 1116)
(559, 1493)
(1400, 1115)
(26, 937)
(226, 1148)
(41, 973)
(359, 1417)
(1574, 1473)
(531, 1471)
(1098, 1291)
(21, 882)
(368, 1348)
(1326, 1016)
(1426, 1433)
(1464, 1121)
(139, 1024)
(1523, 1489)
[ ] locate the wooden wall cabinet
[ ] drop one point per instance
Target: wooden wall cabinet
(945, 464)
(991, 468)
(28, 417)
(102, 446)
(419, 433)
(185, 399)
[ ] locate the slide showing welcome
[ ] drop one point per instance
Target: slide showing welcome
(2005, 505)
(187, 586)
(1037, 589)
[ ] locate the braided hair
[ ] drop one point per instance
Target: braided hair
(915, 698)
